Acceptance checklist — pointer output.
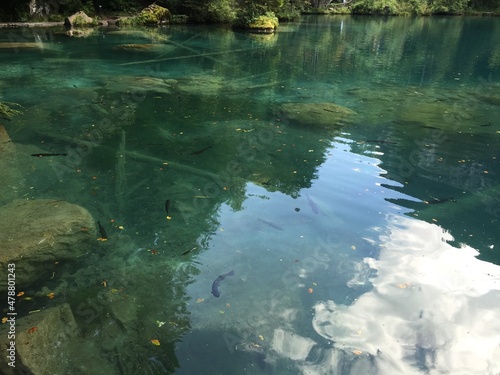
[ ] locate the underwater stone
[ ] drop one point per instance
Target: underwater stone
(315, 114)
(12, 180)
(37, 335)
(36, 233)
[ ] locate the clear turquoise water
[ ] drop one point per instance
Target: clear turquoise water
(365, 247)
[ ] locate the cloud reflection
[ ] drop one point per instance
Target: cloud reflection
(434, 309)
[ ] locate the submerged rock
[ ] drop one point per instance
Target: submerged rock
(139, 85)
(12, 180)
(81, 32)
(40, 338)
(139, 47)
(315, 114)
(50, 342)
(35, 233)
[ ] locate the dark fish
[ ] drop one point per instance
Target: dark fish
(313, 205)
(201, 151)
(75, 86)
(215, 284)
(271, 224)
(47, 154)
(382, 141)
(439, 200)
(102, 231)
(167, 206)
(188, 251)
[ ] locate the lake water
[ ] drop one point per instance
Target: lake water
(363, 236)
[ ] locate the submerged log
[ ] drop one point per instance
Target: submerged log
(141, 157)
(120, 177)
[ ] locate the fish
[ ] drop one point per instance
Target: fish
(215, 284)
(47, 154)
(201, 151)
(188, 251)
(271, 224)
(167, 208)
(102, 231)
(313, 205)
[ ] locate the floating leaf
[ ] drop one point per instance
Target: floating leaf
(357, 352)
(199, 300)
(155, 342)
(20, 294)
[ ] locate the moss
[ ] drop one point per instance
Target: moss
(264, 22)
(79, 21)
(153, 15)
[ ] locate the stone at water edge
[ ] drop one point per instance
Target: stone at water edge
(36, 233)
(11, 181)
(78, 19)
(50, 342)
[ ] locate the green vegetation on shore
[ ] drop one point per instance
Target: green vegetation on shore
(237, 11)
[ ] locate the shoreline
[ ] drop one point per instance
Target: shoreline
(15, 25)
(106, 22)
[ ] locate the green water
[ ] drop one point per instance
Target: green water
(363, 244)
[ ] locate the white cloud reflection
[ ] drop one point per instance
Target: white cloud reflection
(434, 309)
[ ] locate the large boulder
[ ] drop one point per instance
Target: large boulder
(50, 342)
(155, 14)
(12, 181)
(41, 340)
(36, 233)
(267, 23)
(78, 19)
(315, 115)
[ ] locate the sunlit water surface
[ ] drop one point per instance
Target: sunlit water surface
(363, 244)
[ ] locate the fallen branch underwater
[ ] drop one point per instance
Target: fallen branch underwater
(120, 175)
(135, 156)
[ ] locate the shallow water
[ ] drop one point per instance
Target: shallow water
(364, 244)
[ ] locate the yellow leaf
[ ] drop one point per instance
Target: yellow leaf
(155, 342)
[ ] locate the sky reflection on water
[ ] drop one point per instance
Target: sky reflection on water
(433, 310)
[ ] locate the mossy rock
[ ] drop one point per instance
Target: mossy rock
(266, 23)
(319, 115)
(79, 19)
(154, 15)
